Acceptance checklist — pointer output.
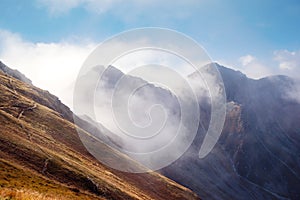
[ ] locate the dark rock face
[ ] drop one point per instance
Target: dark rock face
(258, 154)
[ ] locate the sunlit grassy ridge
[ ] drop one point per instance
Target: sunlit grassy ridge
(24, 194)
(19, 183)
(41, 154)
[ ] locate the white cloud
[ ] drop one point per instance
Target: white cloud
(294, 93)
(253, 68)
(288, 61)
(245, 60)
(283, 62)
(55, 66)
(51, 66)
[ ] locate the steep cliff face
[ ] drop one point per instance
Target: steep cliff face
(257, 156)
(41, 153)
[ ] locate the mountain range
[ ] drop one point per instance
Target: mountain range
(256, 157)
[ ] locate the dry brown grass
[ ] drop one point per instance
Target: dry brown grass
(44, 135)
(26, 194)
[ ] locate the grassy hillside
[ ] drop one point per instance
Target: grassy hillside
(41, 155)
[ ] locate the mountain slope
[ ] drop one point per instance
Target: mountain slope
(258, 154)
(40, 151)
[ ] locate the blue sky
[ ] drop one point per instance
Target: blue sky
(258, 37)
(224, 27)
